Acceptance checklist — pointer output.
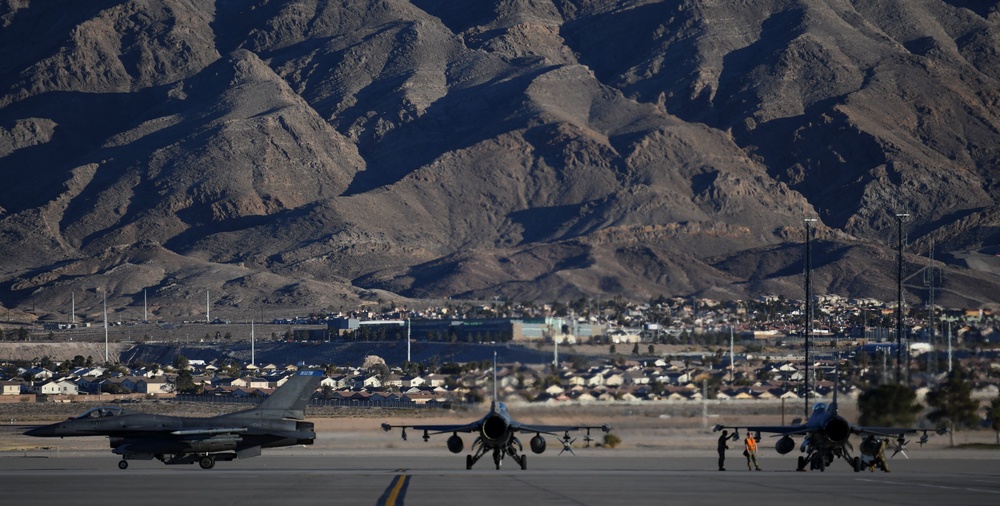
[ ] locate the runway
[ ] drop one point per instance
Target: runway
(595, 478)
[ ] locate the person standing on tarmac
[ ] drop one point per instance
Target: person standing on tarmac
(722, 449)
(750, 450)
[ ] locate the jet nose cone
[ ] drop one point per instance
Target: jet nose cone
(43, 431)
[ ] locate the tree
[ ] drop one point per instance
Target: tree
(380, 371)
(993, 415)
(185, 383)
(888, 405)
(952, 401)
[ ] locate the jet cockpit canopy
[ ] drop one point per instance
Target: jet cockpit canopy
(819, 407)
(101, 412)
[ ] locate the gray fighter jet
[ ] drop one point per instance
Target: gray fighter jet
(497, 433)
(826, 436)
(278, 421)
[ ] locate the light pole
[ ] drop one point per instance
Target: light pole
(808, 222)
(899, 296)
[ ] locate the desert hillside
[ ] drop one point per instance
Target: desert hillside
(319, 154)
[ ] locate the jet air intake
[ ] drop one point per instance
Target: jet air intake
(837, 429)
(494, 428)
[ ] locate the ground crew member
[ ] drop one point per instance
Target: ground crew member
(880, 455)
(750, 450)
(722, 449)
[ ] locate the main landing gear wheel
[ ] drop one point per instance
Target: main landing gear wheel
(123, 464)
(802, 463)
(468, 462)
(206, 462)
(856, 464)
(524, 462)
(497, 458)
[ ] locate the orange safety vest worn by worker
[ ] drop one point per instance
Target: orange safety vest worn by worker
(750, 444)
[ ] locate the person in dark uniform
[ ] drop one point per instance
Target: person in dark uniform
(722, 449)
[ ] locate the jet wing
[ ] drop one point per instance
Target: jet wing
(208, 431)
(882, 431)
(555, 429)
(781, 430)
(430, 430)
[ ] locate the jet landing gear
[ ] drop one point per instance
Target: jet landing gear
(206, 462)
(123, 464)
(498, 455)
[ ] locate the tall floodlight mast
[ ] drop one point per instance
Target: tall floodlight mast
(932, 279)
(105, 326)
(808, 222)
(899, 296)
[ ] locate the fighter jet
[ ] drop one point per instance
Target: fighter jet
(276, 422)
(497, 433)
(826, 434)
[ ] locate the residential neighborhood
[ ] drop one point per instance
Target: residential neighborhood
(670, 350)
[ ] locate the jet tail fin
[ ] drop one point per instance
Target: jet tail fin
(496, 398)
(290, 399)
(836, 385)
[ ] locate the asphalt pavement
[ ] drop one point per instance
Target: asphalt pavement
(323, 478)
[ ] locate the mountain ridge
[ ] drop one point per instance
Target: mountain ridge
(325, 155)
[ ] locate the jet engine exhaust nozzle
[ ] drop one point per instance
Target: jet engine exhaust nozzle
(494, 428)
(837, 429)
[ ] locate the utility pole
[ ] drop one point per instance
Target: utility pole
(208, 309)
(105, 326)
(932, 278)
(899, 296)
(949, 347)
(808, 222)
(732, 364)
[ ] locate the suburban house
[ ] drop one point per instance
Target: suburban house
(10, 387)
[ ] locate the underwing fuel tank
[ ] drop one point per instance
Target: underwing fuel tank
(455, 444)
(784, 445)
(537, 444)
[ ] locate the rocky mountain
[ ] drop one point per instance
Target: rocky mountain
(319, 153)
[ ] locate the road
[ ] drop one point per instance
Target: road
(302, 477)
